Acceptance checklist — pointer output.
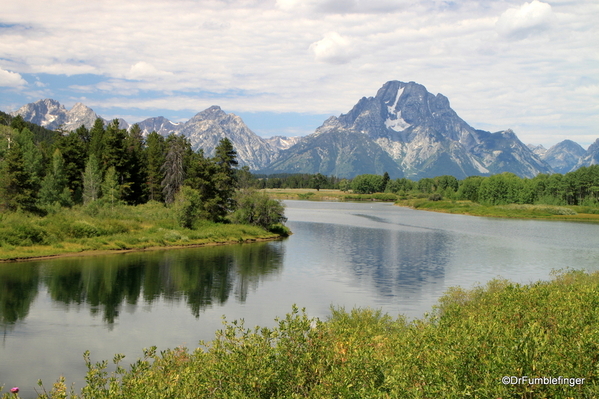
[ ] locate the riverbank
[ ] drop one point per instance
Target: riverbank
(326, 195)
(82, 231)
(515, 211)
(466, 347)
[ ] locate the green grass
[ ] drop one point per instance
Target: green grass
(551, 212)
(327, 195)
(83, 229)
(461, 349)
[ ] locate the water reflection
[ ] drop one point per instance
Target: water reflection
(200, 277)
(18, 290)
(392, 262)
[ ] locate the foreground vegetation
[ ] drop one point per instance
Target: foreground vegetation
(464, 348)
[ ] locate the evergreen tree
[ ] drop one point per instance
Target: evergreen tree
(200, 177)
(386, 179)
(18, 123)
(74, 152)
(225, 179)
(114, 150)
(54, 186)
(318, 181)
(96, 141)
(155, 158)
(32, 157)
(16, 186)
(173, 167)
(135, 167)
(92, 180)
(110, 187)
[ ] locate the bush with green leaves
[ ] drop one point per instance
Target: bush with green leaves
(258, 209)
(187, 206)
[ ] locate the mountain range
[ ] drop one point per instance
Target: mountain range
(403, 130)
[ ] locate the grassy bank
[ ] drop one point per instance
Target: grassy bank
(464, 348)
(549, 212)
(104, 228)
(327, 195)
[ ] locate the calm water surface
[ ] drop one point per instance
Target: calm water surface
(342, 254)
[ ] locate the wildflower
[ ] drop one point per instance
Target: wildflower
(14, 390)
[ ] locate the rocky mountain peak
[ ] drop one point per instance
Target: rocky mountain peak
(591, 156)
(564, 156)
(212, 113)
(593, 147)
(47, 113)
(539, 150)
(418, 131)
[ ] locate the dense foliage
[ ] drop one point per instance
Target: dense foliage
(41, 173)
(464, 348)
(580, 187)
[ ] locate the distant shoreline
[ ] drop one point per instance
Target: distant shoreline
(511, 211)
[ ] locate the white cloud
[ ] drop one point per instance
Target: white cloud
(11, 79)
(333, 49)
(255, 55)
(529, 18)
(343, 6)
(144, 70)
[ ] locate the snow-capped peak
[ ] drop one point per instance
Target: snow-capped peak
(394, 120)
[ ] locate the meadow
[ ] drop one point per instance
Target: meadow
(97, 228)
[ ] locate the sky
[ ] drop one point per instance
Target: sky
(285, 66)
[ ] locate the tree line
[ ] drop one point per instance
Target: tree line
(41, 172)
(579, 187)
(41, 169)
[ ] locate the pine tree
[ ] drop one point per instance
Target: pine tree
(173, 167)
(110, 187)
(135, 167)
(92, 180)
(154, 156)
(225, 179)
(54, 186)
(32, 157)
(114, 150)
(16, 186)
(74, 152)
(96, 143)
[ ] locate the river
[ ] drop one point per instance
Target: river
(341, 254)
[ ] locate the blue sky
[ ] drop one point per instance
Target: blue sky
(284, 66)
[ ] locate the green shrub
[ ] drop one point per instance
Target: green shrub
(258, 209)
(187, 206)
(435, 197)
(83, 229)
(27, 234)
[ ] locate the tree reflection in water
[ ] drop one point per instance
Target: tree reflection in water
(199, 276)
